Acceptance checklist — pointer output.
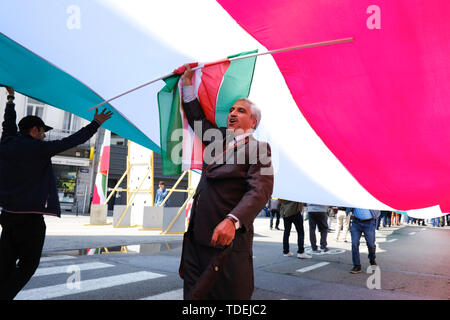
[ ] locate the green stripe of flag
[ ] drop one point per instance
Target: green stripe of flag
(235, 85)
(170, 120)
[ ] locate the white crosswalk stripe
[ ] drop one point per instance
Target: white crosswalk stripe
(314, 266)
(170, 295)
(60, 290)
(56, 258)
(66, 269)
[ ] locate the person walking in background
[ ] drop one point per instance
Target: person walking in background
(378, 222)
(332, 211)
(435, 222)
(408, 219)
(395, 218)
(274, 207)
(403, 216)
(318, 216)
(363, 222)
(291, 212)
(161, 194)
(442, 218)
(343, 224)
(386, 218)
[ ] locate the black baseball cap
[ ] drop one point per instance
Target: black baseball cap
(29, 122)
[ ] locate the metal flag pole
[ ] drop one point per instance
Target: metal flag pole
(303, 46)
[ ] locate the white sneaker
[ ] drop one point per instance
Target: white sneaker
(289, 254)
(303, 256)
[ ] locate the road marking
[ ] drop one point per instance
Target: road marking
(170, 295)
(61, 290)
(314, 266)
(309, 250)
(391, 240)
(56, 258)
(63, 269)
(412, 233)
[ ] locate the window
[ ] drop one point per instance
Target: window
(71, 122)
(117, 140)
(35, 108)
(66, 177)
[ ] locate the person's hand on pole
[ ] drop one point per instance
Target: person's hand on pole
(9, 90)
(103, 116)
(187, 76)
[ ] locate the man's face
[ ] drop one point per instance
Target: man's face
(240, 117)
(161, 186)
(37, 133)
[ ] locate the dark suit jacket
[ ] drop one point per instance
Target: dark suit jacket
(239, 183)
(27, 181)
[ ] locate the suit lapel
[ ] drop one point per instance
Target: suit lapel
(230, 156)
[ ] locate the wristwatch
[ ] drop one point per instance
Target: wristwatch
(235, 221)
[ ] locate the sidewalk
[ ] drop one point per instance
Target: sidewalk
(71, 232)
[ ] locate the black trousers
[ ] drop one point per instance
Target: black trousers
(273, 213)
(21, 246)
(319, 219)
(297, 220)
(236, 279)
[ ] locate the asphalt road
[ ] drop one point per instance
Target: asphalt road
(128, 264)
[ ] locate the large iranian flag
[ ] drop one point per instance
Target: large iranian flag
(217, 86)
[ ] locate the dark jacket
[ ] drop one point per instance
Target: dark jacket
(27, 181)
(230, 185)
(290, 208)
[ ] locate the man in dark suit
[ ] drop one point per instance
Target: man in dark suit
(236, 183)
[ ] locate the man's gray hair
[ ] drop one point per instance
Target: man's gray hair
(256, 112)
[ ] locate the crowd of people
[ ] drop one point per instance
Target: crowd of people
(359, 222)
(390, 218)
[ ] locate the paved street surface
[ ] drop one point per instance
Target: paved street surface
(101, 262)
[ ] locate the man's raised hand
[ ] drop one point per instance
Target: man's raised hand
(103, 116)
(9, 90)
(187, 76)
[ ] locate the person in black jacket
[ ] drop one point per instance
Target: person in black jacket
(28, 191)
